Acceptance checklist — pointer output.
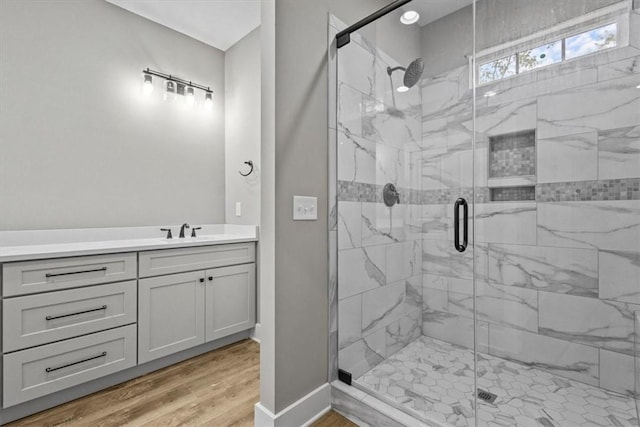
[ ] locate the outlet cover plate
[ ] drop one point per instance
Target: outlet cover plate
(305, 208)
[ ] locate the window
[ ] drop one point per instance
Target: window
(591, 41)
(498, 69)
(574, 46)
(540, 56)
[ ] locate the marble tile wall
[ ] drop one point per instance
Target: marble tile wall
(379, 249)
(557, 276)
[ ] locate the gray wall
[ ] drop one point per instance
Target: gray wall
(301, 266)
(401, 42)
(446, 41)
(242, 128)
(79, 145)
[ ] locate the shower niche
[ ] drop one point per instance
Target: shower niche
(512, 166)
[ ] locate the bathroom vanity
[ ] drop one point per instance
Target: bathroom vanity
(85, 309)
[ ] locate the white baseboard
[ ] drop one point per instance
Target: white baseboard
(256, 334)
(301, 413)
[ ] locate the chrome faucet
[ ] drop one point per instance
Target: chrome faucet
(185, 225)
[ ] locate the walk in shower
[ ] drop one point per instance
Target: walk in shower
(485, 211)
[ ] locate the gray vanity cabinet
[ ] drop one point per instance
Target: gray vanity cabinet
(170, 314)
(182, 310)
(71, 320)
(64, 323)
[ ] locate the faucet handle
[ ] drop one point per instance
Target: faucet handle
(193, 231)
(168, 230)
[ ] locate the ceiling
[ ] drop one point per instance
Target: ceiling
(218, 23)
(432, 10)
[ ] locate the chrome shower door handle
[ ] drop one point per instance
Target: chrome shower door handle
(456, 225)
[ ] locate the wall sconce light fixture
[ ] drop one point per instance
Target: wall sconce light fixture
(175, 86)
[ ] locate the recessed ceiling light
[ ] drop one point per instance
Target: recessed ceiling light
(410, 17)
(490, 93)
(402, 89)
(638, 87)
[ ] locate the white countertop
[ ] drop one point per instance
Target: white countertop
(41, 244)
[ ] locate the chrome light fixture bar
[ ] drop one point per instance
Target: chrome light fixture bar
(179, 81)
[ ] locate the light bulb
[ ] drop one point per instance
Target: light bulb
(402, 89)
(410, 17)
(170, 91)
(147, 86)
(208, 100)
(191, 97)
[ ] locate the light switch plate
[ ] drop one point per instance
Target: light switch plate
(305, 208)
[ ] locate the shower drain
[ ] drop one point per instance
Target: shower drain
(487, 396)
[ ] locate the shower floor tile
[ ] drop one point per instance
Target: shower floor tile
(434, 380)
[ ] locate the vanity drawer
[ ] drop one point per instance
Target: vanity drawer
(39, 319)
(169, 261)
(39, 371)
(28, 277)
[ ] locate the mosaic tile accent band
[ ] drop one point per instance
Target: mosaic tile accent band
(606, 189)
(609, 189)
(349, 191)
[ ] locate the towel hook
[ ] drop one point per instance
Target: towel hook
(250, 163)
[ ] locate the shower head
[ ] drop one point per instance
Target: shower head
(412, 73)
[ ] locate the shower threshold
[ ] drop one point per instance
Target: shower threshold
(434, 381)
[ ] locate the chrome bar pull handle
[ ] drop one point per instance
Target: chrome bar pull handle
(456, 225)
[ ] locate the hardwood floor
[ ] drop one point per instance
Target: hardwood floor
(333, 419)
(218, 389)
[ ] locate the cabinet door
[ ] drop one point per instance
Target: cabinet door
(230, 300)
(170, 314)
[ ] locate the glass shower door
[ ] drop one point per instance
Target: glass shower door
(558, 234)
(404, 158)
(379, 256)
(447, 169)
